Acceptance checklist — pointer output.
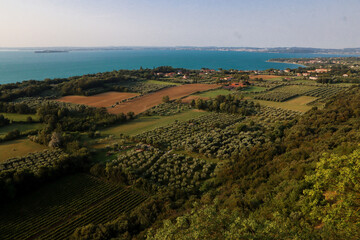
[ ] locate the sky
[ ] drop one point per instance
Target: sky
(227, 23)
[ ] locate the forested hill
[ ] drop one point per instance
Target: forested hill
(304, 184)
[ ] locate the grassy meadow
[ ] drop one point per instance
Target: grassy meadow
(16, 117)
(22, 127)
(295, 104)
(18, 148)
(214, 93)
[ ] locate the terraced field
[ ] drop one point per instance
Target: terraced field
(57, 209)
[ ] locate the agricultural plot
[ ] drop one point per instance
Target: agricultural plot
(18, 148)
(266, 77)
(276, 96)
(17, 117)
(323, 92)
(167, 83)
(214, 136)
(273, 114)
(145, 87)
(214, 93)
(284, 93)
(57, 209)
(100, 100)
(253, 89)
(167, 109)
(34, 161)
(145, 102)
(22, 127)
(122, 201)
(146, 123)
(298, 104)
(35, 102)
(166, 168)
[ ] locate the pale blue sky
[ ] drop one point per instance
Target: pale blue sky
(253, 23)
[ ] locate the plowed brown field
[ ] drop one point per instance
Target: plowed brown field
(148, 101)
(100, 100)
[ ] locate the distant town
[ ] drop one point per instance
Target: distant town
(346, 51)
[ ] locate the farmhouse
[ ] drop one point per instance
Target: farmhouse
(237, 85)
(171, 74)
(322, 70)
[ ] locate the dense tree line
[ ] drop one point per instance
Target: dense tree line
(227, 104)
(3, 121)
(21, 108)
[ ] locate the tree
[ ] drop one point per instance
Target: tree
(166, 99)
(29, 119)
(56, 140)
(130, 115)
(333, 202)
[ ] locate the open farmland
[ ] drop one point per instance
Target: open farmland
(17, 117)
(146, 123)
(266, 77)
(298, 104)
(253, 89)
(148, 101)
(284, 93)
(22, 127)
(55, 210)
(100, 100)
(215, 93)
(18, 148)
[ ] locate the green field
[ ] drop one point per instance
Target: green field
(144, 124)
(295, 104)
(161, 82)
(253, 89)
(18, 148)
(16, 117)
(22, 127)
(55, 210)
(215, 93)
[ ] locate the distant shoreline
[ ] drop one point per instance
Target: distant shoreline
(287, 63)
(292, 50)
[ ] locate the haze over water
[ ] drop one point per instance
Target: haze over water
(17, 66)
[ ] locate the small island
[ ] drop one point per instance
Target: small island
(51, 51)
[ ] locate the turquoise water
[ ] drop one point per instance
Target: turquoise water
(25, 65)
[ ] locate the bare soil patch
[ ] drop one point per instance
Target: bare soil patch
(100, 100)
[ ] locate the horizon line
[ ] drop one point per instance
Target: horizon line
(184, 46)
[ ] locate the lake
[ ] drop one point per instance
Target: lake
(17, 66)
